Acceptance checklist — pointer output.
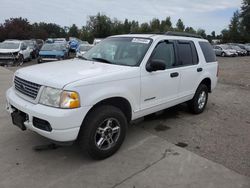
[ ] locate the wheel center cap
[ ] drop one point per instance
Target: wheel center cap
(107, 132)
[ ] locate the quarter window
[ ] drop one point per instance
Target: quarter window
(208, 52)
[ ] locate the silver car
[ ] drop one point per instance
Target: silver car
(240, 52)
(224, 51)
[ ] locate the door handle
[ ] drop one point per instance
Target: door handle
(199, 69)
(174, 74)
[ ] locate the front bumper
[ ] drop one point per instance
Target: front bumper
(49, 59)
(65, 123)
(231, 54)
(8, 60)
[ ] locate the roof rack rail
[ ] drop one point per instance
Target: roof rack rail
(183, 34)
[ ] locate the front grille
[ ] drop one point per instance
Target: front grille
(48, 56)
(27, 88)
(6, 56)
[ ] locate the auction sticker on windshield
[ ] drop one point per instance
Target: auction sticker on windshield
(143, 41)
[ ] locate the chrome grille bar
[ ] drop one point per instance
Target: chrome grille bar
(27, 88)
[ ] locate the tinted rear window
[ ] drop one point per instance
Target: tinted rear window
(208, 52)
(187, 53)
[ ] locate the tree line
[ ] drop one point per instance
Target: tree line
(101, 26)
(98, 26)
(239, 27)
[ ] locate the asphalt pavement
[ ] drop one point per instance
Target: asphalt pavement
(171, 149)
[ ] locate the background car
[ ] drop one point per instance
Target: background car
(97, 41)
(33, 47)
(245, 47)
(73, 44)
(240, 51)
(82, 49)
(14, 52)
(63, 42)
(52, 52)
(60, 40)
(39, 42)
(224, 50)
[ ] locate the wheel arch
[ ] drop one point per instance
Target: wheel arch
(207, 81)
(119, 102)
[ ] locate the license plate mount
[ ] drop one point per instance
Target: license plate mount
(18, 119)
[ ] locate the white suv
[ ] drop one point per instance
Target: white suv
(121, 79)
(14, 52)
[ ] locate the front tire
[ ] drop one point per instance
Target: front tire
(103, 132)
(20, 60)
(223, 54)
(198, 104)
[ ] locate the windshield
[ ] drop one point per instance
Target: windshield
(49, 47)
(120, 51)
(236, 48)
(9, 45)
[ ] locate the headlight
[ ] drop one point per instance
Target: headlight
(59, 98)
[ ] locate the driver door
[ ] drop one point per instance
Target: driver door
(159, 89)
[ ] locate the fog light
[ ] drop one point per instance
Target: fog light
(42, 124)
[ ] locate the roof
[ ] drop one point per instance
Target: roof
(157, 36)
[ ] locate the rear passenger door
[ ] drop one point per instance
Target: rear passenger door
(189, 68)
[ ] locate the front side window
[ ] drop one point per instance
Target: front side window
(128, 51)
(164, 52)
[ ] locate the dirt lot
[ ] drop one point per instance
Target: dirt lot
(222, 132)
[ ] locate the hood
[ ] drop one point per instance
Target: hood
(61, 73)
(230, 51)
(52, 52)
(9, 50)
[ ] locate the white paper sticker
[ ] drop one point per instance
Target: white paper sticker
(143, 41)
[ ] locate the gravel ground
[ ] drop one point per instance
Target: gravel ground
(222, 132)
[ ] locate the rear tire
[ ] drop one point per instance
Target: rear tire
(223, 54)
(103, 132)
(198, 104)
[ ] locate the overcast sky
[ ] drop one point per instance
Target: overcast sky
(208, 14)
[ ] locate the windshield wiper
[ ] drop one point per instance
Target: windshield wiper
(102, 60)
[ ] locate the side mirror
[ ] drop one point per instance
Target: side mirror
(155, 65)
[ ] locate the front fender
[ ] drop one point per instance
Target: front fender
(95, 93)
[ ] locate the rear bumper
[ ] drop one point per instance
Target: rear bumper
(65, 123)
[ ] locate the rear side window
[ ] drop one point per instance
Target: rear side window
(187, 53)
(208, 52)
